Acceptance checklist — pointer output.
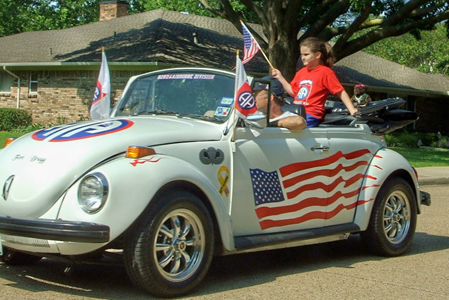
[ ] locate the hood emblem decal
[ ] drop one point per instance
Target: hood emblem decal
(7, 187)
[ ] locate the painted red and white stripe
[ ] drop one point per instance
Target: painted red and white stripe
(305, 191)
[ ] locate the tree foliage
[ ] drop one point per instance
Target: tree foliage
(429, 53)
(33, 15)
(191, 6)
(352, 24)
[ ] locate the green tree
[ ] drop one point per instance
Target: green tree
(429, 53)
(352, 24)
(191, 6)
(32, 15)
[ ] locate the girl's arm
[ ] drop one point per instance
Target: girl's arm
(347, 101)
(285, 84)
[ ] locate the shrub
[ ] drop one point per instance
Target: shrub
(427, 138)
(12, 118)
(402, 138)
(30, 128)
(406, 139)
(435, 143)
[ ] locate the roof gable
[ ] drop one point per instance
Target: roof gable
(155, 36)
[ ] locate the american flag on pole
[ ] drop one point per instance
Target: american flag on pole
(101, 102)
(251, 47)
(282, 198)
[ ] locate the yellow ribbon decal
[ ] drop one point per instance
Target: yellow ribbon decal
(223, 180)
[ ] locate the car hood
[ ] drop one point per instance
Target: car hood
(36, 169)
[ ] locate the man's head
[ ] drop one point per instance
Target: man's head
(261, 93)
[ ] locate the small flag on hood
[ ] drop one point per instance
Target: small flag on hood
(101, 103)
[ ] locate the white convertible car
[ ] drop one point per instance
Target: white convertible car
(174, 178)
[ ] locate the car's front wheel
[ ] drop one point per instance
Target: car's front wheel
(171, 250)
(393, 219)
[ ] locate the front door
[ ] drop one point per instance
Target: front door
(277, 186)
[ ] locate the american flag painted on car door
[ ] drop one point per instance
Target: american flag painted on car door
(291, 194)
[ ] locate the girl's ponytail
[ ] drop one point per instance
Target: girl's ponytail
(330, 57)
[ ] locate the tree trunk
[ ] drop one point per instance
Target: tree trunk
(284, 56)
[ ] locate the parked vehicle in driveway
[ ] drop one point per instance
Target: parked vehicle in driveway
(173, 178)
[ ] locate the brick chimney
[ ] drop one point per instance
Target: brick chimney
(113, 9)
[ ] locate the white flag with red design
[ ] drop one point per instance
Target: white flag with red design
(244, 99)
(101, 104)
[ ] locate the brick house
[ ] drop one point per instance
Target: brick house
(52, 74)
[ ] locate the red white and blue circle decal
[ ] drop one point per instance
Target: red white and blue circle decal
(77, 131)
(245, 100)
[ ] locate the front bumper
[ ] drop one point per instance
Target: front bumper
(55, 230)
(425, 198)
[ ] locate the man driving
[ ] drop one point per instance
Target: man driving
(278, 117)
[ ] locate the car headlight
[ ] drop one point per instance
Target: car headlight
(93, 192)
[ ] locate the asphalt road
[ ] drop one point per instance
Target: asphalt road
(342, 270)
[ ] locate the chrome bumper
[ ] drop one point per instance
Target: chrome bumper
(55, 230)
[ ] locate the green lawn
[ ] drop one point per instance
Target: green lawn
(4, 135)
(418, 157)
(421, 157)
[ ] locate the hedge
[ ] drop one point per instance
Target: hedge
(13, 118)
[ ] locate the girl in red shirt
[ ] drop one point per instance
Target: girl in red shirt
(313, 83)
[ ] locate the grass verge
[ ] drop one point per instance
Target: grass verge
(6, 134)
(424, 157)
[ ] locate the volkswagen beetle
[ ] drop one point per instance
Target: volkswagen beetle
(173, 178)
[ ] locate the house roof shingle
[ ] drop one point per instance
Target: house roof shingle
(155, 36)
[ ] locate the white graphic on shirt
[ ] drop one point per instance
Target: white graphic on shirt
(305, 88)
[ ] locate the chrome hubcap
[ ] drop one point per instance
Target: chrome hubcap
(179, 245)
(397, 217)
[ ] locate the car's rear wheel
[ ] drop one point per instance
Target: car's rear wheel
(171, 250)
(14, 258)
(393, 219)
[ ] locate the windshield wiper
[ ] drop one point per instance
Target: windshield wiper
(202, 117)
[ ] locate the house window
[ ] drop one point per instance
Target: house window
(33, 82)
(5, 82)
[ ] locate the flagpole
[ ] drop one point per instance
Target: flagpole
(235, 100)
(261, 50)
(266, 58)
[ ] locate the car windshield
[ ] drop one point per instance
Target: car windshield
(196, 94)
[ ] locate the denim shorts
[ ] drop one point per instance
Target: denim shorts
(312, 121)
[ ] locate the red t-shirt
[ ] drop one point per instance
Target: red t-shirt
(311, 88)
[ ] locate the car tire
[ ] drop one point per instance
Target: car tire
(393, 219)
(171, 250)
(14, 258)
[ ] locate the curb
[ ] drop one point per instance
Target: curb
(433, 181)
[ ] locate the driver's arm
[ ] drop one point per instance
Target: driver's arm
(292, 123)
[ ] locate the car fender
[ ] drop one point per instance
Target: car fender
(133, 183)
(386, 163)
